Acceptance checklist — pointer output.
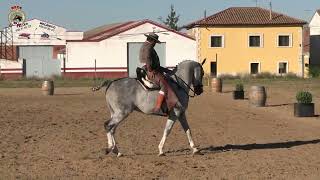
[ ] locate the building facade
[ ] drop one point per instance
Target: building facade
(249, 40)
(112, 50)
(314, 26)
(39, 48)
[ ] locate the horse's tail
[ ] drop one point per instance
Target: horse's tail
(105, 83)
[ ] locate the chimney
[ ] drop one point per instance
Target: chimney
(270, 11)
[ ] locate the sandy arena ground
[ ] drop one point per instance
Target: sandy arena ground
(63, 137)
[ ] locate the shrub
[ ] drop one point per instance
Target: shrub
(314, 71)
(265, 75)
(229, 76)
(304, 97)
(291, 75)
(239, 86)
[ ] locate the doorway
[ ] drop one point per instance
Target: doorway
(213, 69)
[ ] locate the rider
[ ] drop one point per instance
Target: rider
(155, 72)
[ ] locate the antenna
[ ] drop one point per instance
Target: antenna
(256, 1)
(270, 10)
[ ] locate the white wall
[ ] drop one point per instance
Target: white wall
(178, 48)
(35, 28)
(315, 39)
(82, 54)
(6, 64)
(112, 52)
(315, 25)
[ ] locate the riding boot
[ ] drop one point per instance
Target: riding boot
(157, 109)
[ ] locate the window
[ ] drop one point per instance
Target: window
(216, 41)
(284, 41)
(255, 41)
(283, 68)
(254, 68)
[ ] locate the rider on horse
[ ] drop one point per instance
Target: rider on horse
(155, 73)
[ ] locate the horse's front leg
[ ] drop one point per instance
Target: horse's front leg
(170, 122)
(186, 128)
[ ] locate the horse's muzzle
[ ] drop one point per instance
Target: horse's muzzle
(198, 90)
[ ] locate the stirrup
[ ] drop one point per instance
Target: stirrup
(159, 113)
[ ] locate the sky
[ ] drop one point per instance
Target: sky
(83, 15)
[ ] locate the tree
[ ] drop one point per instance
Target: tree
(172, 19)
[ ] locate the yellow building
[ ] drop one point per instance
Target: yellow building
(249, 40)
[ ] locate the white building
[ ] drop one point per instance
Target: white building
(113, 50)
(315, 39)
(41, 44)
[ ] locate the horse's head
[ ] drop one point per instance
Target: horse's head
(197, 78)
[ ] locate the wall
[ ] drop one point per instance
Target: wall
(35, 28)
(111, 54)
(315, 39)
(236, 55)
(10, 69)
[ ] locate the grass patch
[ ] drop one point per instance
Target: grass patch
(58, 82)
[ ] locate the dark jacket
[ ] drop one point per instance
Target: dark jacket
(149, 56)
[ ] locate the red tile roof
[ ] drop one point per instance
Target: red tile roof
(246, 16)
(107, 31)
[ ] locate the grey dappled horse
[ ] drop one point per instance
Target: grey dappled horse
(125, 95)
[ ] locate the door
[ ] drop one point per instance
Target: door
(213, 69)
(39, 61)
(133, 49)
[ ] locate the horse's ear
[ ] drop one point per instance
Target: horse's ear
(204, 61)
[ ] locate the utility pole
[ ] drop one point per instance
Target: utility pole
(6, 44)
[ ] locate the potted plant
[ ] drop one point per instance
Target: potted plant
(238, 93)
(304, 107)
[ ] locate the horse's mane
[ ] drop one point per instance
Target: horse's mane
(185, 61)
(182, 63)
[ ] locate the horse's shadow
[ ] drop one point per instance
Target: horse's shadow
(246, 147)
(278, 105)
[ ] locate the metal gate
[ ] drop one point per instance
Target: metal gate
(39, 61)
(133, 56)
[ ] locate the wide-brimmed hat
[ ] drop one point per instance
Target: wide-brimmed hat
(153, 36)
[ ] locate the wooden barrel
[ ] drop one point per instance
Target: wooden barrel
(47, 87)
(257, 96)
(216, 84)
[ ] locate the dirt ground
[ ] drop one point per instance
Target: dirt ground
(63, 137)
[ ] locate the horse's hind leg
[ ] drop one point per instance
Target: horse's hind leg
(169, 125)
(110, 127)
(186, 128)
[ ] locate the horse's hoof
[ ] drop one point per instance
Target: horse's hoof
(161, 154)
(108, 150)
(119, 155)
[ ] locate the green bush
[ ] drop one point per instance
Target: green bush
(291, 75)
(304, 97)
(229, 76)
(265, 75)
(314, 71)
(239, 86)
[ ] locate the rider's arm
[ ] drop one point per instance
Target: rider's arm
(148, 62)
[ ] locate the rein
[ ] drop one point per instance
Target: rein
(189, 87)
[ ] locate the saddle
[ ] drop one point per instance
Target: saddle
(148, 85)
(142, 78)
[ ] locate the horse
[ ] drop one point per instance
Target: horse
(126, 95)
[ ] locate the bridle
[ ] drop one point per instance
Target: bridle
(189, 87)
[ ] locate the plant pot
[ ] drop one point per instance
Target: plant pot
(238, 94)
(304, 110)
